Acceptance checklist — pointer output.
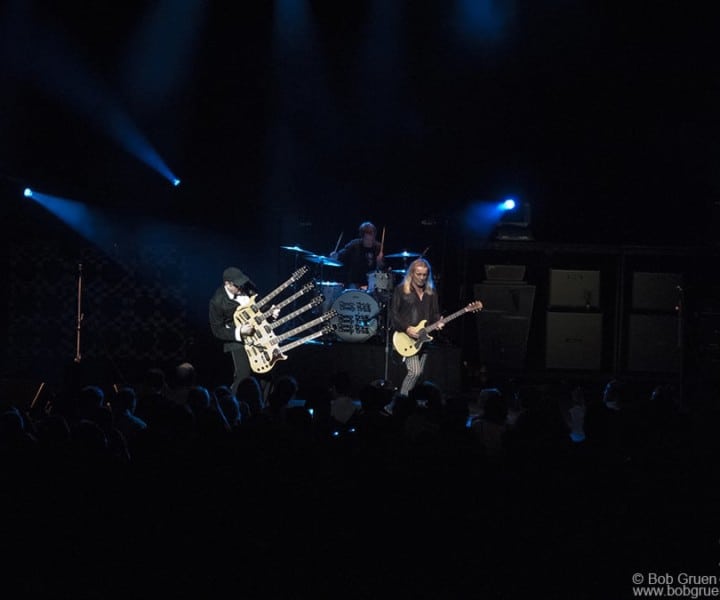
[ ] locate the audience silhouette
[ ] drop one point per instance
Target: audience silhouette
(145, 475)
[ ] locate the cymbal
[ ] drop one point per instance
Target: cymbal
(323, 260)
(398, 271)
(296, 249)
(403, 254)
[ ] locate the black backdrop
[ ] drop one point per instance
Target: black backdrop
(292, 125)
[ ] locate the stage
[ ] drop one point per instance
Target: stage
(314, 364)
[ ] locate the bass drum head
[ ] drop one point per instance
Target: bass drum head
(357, 316)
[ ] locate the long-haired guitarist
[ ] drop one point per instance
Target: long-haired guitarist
(236, 290)
(415, 300)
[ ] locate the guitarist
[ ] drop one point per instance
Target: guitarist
(414, 300)
(236, 290)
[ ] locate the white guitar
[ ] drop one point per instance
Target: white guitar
(266, 351)
(407, 346)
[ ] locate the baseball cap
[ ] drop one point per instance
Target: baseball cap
(236, 276)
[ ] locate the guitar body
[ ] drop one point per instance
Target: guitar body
(263, 359)
(407, 346)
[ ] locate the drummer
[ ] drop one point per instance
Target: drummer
(361, 256)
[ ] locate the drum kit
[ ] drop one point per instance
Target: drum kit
(362, 314)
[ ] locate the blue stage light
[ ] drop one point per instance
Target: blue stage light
(28, 193)
(176, 182)
(508, 204)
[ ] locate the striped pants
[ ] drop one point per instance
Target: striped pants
(415, 366)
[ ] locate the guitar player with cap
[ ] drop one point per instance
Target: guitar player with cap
(236, 291)
(415, 300)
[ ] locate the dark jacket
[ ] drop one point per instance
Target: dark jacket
(358, 261)
(408, 310)
(222, 325)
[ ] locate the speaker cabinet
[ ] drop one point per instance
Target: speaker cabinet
(574, 289)
(504, 323)
(573, 340)
(656, 291)
(502, 340)
(515, 300)
(653, 344)
(706, 348)
(505, 273)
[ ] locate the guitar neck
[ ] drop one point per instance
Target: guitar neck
(293, 314)
(304, 340)
(304, 290)
(321, 319)
(447, 319)
(292, 279)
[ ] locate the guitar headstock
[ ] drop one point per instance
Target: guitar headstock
(474, 306)
(299, 273)
(317, 300)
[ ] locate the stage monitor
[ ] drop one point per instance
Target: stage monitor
(504, 273)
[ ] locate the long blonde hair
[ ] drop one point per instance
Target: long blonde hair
(407, 280)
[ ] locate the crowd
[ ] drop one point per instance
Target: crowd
(171, 486)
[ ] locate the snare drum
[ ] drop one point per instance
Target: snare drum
(380, 281)
(357, 316)
(331, 291)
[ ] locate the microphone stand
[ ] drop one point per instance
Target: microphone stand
(385, 383)
(79, 314)
(387, 299)
(387, 342)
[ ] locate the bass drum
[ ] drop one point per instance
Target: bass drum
(357, 316)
